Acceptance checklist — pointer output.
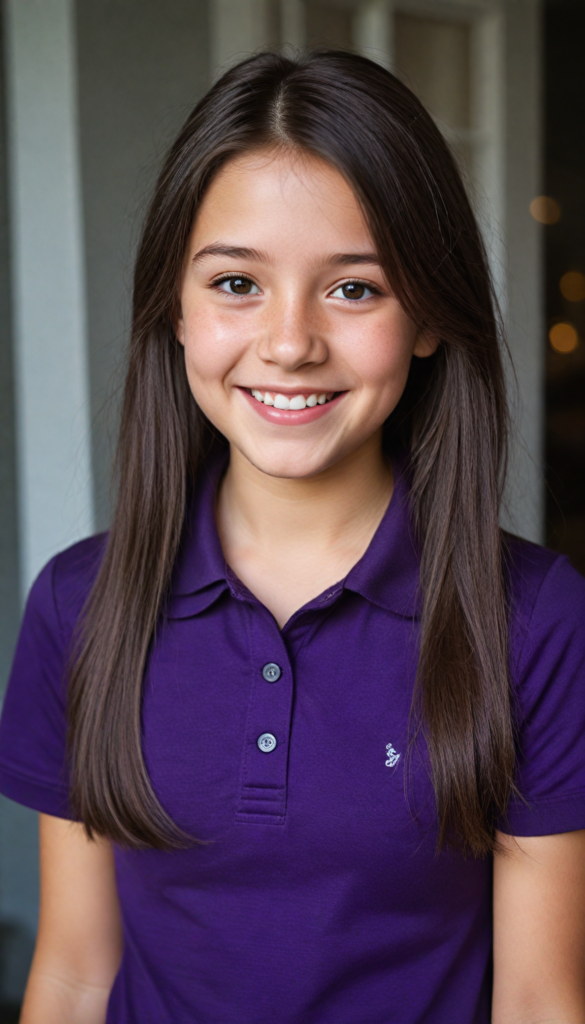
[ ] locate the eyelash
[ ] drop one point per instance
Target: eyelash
(244, 277)
(356, 280)
(232, 277)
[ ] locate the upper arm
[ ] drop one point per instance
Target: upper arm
(79, 940)
(539, 929)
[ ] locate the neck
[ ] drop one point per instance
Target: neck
(339, 506)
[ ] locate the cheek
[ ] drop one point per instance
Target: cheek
(384, 355)
(212, 348)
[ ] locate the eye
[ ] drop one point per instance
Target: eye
(353, 290)
(237, 285)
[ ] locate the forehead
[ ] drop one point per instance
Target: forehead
(268, 192)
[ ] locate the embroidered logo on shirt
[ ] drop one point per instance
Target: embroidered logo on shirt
(392, 758)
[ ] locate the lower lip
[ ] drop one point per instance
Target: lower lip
(291, 417)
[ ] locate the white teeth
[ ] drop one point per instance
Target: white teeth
(295, 402)
(298, 402)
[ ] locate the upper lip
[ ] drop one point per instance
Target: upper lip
(279, 389)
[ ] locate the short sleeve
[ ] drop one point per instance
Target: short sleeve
(550, 710)
(33, 768)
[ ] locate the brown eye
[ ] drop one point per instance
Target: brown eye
(238, 286)
(241, 285)
(353, 290)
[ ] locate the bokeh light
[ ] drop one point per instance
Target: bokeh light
(563, 338)
(572, 285)
(545, 210)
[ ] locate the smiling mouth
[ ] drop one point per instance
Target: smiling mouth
(294, 402)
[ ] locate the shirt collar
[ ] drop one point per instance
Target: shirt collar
(200, 572)
(389, 571)
(387, 574)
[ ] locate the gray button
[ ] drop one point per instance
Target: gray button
(266, 742)
(271, 672)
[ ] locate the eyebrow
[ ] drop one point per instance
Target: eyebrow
(234, 252)
(341, 259)
(238, 252)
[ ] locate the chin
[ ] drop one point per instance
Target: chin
(288, 465)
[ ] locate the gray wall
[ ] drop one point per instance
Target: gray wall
(15, 932)
(142, 65)
(9, 577)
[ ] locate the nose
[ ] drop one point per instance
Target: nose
(292, 338)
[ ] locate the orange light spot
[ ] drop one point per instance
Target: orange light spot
(545, 210)
(572, 285)
(563, 338)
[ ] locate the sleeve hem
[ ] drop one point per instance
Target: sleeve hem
(36, 795)
(565, 814)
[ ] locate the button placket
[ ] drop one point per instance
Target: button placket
(262, 797)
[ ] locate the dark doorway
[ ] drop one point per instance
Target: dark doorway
(564, 122)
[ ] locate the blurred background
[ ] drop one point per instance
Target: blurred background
(92, 92)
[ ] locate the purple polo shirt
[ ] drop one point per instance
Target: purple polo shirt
(318, 898)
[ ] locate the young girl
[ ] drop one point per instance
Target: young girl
(305, 729)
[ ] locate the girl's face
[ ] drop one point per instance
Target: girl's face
(295, 347)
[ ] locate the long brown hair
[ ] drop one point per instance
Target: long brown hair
(452, 419)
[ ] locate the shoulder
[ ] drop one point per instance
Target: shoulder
(62, 587)
(547, 641)
(531, 566)
(33, 727)
(35, 700)
(546, 596)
